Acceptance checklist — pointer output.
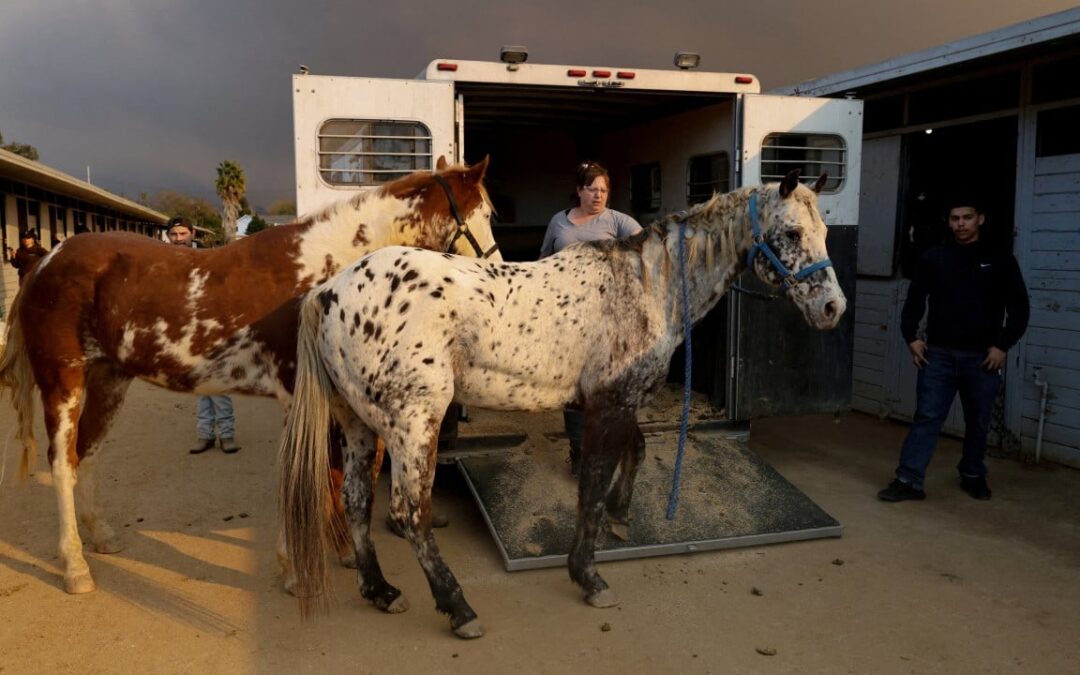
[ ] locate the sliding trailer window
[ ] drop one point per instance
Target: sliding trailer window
(359, 153)
(812, 154)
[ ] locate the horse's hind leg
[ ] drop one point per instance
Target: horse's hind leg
(600, 455)
(105, 388)
(62, 400)
(358, 496)
(629, 437)
(413, 450)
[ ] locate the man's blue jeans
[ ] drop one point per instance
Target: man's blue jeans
(215, 411)
(947, 372)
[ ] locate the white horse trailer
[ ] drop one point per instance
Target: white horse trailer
(669, 138)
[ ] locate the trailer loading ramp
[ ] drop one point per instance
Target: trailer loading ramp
(729, 498)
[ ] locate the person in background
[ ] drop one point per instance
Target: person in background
(216, 420)
(29, 252)
(978, 309)
(590, 220)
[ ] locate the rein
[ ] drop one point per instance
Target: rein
(684, 418)
(463, 227)
(788, 278)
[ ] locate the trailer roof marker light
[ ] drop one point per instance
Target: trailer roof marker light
(513, 56)
(743, 79)
(601, 73)
(446, 66)
(687, 60)
(577, 72)
(626, 74)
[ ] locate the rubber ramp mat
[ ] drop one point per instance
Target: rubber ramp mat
(729, 498)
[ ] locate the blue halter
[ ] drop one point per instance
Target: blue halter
(788, 278)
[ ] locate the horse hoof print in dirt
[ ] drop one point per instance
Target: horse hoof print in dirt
(388, 343)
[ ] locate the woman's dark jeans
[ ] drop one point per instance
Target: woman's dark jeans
(947, 372)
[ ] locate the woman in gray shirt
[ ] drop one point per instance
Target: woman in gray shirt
(590, 220)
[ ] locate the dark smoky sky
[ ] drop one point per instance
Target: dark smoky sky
(153, 94)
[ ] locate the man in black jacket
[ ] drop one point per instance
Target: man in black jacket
(978, 309)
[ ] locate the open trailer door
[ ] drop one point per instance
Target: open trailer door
(354, 133)
(778, 364)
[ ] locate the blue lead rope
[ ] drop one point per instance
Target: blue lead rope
(684, 421)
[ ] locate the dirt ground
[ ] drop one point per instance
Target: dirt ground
(946, 585)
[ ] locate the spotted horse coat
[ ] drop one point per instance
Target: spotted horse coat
(390, 341)
(104, 308)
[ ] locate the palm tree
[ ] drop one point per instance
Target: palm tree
(230, 186)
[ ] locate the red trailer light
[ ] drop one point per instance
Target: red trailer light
(446, 66)
(626, 75)
(576, 72)
(743, 79)
(601, 73)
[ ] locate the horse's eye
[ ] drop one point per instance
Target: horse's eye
(794, 235)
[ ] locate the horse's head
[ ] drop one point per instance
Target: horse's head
(789, 249)
(454, 206)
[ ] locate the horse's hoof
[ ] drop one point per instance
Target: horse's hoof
(602, 599)
(469, 630)
(396, 606)
(290, 586)
(111, 545)
(79, 584)
(620, 530)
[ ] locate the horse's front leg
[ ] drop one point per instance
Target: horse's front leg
(413, 452)
(62, 400)
(357, 494)
(599, 458)
(626, 436)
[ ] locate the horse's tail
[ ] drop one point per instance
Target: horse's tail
(17, 376)
(304, 465)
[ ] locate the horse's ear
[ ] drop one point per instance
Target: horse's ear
(440, 163)
(790, 182)
(477, 171)
(820, 184)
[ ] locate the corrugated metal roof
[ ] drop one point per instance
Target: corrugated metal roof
(17, 167)
(1017, 36)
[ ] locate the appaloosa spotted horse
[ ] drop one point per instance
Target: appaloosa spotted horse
(388, 343)
(104, 308)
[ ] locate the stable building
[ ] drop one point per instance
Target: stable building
(997, 113)
(35, 196)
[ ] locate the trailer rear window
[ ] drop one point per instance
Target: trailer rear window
(813, 154)
(706, 174)
(372, 152)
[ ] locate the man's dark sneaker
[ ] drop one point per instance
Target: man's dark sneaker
(204, 445)
(899, 491)
(229, 446)
(976, 487)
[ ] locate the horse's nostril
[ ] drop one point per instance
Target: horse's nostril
(830, 309)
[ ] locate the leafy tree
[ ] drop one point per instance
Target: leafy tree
(23, 149)
(282, 207)
(257, 224)
(231, 186)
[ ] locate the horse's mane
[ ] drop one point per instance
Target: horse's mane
(406, 185)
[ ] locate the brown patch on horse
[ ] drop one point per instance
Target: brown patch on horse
(360, 239)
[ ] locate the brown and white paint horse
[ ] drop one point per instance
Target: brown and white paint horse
(104, 308)
(388, 343)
